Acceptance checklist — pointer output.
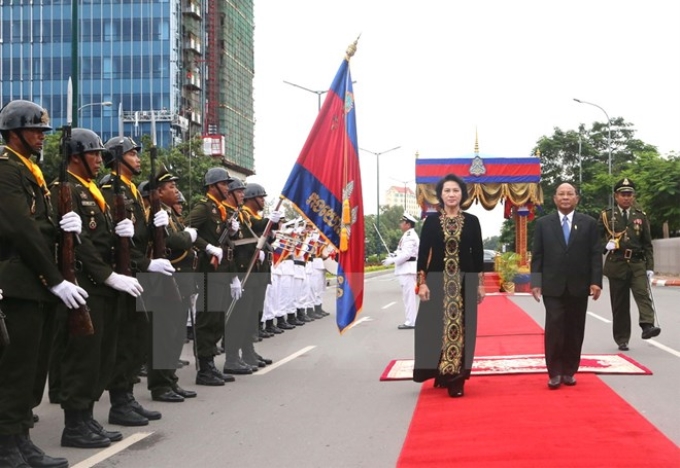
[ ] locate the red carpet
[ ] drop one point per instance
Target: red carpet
(516, 421)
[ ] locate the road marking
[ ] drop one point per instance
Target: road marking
(284, 360)
(602, 319)
(664, 347)
(388, 305)
(361, 320)
(112, 450)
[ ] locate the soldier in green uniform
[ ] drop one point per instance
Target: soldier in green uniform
(87, 361)
(169, 299)
(31, 281)
(629, 264)
(215, 262)
(122, 158)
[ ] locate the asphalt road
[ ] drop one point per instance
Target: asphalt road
(321, 404)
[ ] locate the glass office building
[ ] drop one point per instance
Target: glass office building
(137, 58)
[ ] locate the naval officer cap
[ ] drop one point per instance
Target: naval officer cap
(624, 185)
(409, 218)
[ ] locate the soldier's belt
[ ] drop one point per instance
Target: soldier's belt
(627, 254)
(246, 241)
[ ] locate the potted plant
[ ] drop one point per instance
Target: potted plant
(508, 266)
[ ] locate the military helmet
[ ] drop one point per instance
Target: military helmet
(84, 140)
(254, 190)
(215, 175)
(105, 180)
(143, 188)
(236, 184)
(23, 114)
(116, 144)
(181, 198)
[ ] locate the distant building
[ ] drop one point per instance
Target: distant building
(403, 197)
(190, 63)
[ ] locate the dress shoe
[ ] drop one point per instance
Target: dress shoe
(254, 366)
(405, 327)
(167, 396)
(209, 379)
(456, 388)
(568, 380)
(555, 382)
(184, 393)
(623, 347)
(36, 457)
(649, 331)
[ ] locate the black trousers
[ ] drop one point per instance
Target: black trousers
(565, 321)
(133, 343)
(167, 335)
(23, 364)
(213, 296)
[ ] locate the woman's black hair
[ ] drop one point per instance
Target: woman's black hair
(451, 178)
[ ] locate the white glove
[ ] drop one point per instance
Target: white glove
(71, 222)
(0, 294)
(236, 291)
(125, 228)
(234, 225)
(388, 261)
(161, 218)
(162, 266)
(71, 294)
(610, 245)
(192, 232)
(260, 256)
(215, 252)
(126, 284)
(650, 274)
(275, 216)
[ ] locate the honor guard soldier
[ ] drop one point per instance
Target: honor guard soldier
(629, 264)
(404, 259)
(30, 279)
(122, 159)
(87, 363)
(169, 299)
(215, 262)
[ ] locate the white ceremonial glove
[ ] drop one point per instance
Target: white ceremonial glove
(215, 252)
(234, 225)
(650, 274)
(126, 284)
(161, 218)
(388, 261)
(236, 291)
(70, 294)
(71, 222)
(0, 294)
(260, 256)
(275, 216)
(192, 232)
(162, 266)
(125, 228)
(610, 245)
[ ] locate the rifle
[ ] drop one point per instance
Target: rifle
(79, 320)
(119, 214)
(381, 238)
(4, 336)
(158, 235)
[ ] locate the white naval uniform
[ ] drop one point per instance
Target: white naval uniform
(405, 270)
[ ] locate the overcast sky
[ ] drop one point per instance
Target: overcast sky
(430, 73)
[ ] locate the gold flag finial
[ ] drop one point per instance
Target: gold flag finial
(352, 48)
(538, 152)
(476, 142)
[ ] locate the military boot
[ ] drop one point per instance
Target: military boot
(234, 365)
(314, 313)
(122, 413)
(113, 436)
(140, 410)
(302, 316)
(10, 455)
(649, 331)
(208, 374)
(319, 310)
(293, 320)
(77, 433)
(271, 328)
(282, 324)
(35, 457)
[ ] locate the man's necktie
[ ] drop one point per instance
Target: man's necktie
(565, 229)
(625, 217)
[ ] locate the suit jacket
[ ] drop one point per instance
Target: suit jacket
(557, 267)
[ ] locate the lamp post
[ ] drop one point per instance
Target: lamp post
(103, 104)
(377, 185)
(609, 145)
(318, 93)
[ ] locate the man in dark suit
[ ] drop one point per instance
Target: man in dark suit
(566, 267)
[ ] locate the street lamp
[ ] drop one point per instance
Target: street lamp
(103, 104)
(318, 93)
(377, 185)
(609, 144)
